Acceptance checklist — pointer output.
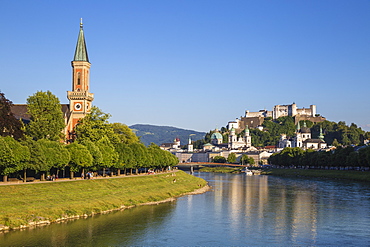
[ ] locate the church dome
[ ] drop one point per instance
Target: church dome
(216, 135)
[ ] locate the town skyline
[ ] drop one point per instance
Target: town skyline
(194, 65)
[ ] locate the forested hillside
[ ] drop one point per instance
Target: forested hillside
(164, 134)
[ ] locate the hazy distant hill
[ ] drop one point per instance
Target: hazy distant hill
(164, 134)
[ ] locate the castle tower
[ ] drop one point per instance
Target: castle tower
(80, 98)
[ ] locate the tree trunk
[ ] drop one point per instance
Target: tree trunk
(24, 175)
(83, 173)
(5, 178)
(104, 172)
(42, 178)
(118, 172)
(72, 175)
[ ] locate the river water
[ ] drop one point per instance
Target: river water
(240, 210)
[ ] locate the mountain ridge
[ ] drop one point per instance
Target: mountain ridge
(164, 134)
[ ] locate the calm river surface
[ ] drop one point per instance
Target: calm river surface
(240, 210)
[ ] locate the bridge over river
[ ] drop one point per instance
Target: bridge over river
(197, 165)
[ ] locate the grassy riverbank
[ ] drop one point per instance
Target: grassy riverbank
(26, 204)
(334, 174)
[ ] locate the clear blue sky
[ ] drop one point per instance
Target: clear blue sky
(194, 64)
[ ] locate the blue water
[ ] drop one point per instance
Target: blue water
(239, 211)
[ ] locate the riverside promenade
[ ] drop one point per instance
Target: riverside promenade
(20, 182)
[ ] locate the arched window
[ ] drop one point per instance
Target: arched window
(78, 78)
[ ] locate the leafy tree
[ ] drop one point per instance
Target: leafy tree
(245, 159)
(37, 159)
(335, 143)
(156, 155)
(225, 137)
(21, 153)
(46, 117)
(140, 154)
(171, 160)
(95, 126)
(80, 158)
(124, 133)
(56, 155)
(364, 156)
(126, 157)
(7, 161)
(9, 125)
(219, 159)
(231, 158)
(95, 153)
(109, 154)
(198, 144)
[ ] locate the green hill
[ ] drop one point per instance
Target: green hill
(164, 134)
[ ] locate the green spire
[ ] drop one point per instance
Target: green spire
(298, 126)
(81, 51)
(246, 130)
(321, 136)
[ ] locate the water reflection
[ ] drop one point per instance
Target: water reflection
(117, 228)
(239, 211)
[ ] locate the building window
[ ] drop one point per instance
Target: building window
(78, 78)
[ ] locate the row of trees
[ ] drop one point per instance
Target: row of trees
(244, 159)
(340, 157)
(98, 145)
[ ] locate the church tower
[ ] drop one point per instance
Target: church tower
(247, 137)
(80, 98)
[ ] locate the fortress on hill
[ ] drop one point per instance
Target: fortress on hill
(256, 119)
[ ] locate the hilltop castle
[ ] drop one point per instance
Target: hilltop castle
(80, 98)
(256, 119)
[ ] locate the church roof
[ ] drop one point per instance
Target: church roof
(305, 130)
(20, 111)
(313, 141)
(216, 135)
(81, 50)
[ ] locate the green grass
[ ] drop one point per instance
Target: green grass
(25, 203)
(220, 169)
(334, 174)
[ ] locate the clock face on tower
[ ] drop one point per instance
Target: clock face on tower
(78, 107)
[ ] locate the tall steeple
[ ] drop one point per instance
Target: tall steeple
(81, 50)
(80, 98)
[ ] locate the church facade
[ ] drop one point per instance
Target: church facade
(80, 98)
(303, 139)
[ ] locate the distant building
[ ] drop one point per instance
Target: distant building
(236, 142)
(216, 138)
(303, 139)
(171, 146)
(190, 146)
